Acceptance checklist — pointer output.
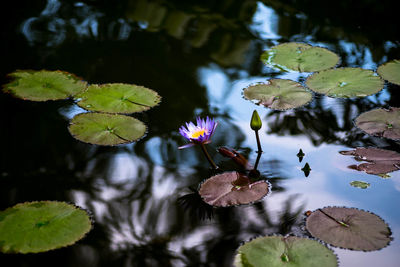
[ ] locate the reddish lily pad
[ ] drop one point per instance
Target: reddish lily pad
(381, 122)
(380, 161)
(232, 188)
(349, 228)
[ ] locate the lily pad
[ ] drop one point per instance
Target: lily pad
(33, 227)
(390, 71)
(345, 82)
(232, 188)
(349, 228)
(300, 57)
(284, 251)
(381, 122)
(380, 161)
(44, 85)
(106, 129)
(278, 94)
(118, 98)
(360, 184)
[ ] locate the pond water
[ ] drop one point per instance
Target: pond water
(199, 56)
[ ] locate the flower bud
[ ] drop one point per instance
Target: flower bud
(255, 123)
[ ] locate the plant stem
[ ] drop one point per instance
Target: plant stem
(258, 142)
(203, 148)
(257, 160)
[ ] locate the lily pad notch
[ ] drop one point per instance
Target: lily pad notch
(44, 85)
(41, 226)
(299, 57)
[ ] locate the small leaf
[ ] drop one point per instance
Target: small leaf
(106, 129)
(380, 122)
(390, 71)
(228, 189)
(300, 155)
(284, 251)
(360, 184)
(306, 169)
(278, 94)
(349, 228)
(33, 227)
(299, 57)
(44, 85)
(118, 98)
(345, 82)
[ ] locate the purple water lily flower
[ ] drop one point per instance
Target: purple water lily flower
(200, 133)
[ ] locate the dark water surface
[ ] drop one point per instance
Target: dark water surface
(198, 55)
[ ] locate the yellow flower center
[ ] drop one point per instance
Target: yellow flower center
(198, 133)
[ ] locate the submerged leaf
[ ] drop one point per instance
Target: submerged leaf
(381, 122)
(284, 251)
(345, 82)
(278, 94)
(232, 188)
(380, 161)
(106, 129)
(299, 57)
(349, 228)
(360, 184)
(118, 98)
(44, 85)
(390, 71)
(33, 227)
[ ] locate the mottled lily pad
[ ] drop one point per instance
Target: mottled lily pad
(118, 98)
(345, 82)
(349, 228)
(390, 71)
(33, 227)
(232, 188)
(284, 251)
(360, 184)
(380, 161)
(44, 85)
(300, 57)
(381, 122)
(106, 129)
(278, 94)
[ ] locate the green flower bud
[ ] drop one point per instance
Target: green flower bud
(255, 123)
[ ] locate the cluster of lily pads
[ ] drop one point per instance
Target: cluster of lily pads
(40, 226)
(106, 123)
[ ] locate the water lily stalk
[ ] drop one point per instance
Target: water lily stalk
(212, 163)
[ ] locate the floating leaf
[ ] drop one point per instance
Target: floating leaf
(33, 227)
(381, 122)
(278, 94)
(381, 161)
(300, 155)
(390, 71)
(224, 190)
(360, 184)
(118, 98)
(349, 228)
(106, 129)
(44, 85)
(284, 251)
(345, 82)
(306, 169)
(300, 57)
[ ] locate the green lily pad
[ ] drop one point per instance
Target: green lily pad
(278, 94)
(284, 251)
(118, 98)
(40, 226)
(381, 122)
(360, 184)
(44, 85)
(349, 228)
(232, 188)
(390, 71)
(345, 82)
(300, 57)
(106, 129)
(380, 161)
